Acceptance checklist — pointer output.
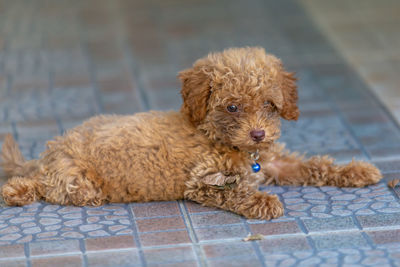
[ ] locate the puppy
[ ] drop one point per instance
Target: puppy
(216, 151)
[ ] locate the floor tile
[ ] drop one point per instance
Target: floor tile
(222, 232)
(112, 242)
(155, 209)
(229, 249)
(199, 220)
(13, 262)
(160, 224)
(385, 236)
(73, 260)
(380, 220)
(329, 224)
(165, 238)
(95, 57)
(277, 228)
(235, 262)
(115, 258)
(339, 240)
(169, 255)
(12, 251)
(389, 166)
(54, 247)
(284, 244)
(175, 264)
(194, 207)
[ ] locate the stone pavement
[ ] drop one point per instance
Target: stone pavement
(64, 61)
(367, 34)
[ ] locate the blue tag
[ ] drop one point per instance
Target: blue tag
(256, 167)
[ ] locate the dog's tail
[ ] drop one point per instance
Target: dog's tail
(12, 160)
(22, 187)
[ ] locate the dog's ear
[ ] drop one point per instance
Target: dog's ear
(289, 111)
(195, 93)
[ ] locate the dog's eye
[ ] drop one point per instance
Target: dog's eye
(268, 104)
(232, 108)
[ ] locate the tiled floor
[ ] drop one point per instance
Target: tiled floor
(367, 34)
(64, 61)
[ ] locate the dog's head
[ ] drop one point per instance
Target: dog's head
(238, 96)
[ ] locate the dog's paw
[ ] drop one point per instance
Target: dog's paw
(264, 207)
(359, 174)
(19, 191)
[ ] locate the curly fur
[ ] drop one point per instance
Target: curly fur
(200, 153)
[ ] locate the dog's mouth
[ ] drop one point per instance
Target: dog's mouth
(253, 146)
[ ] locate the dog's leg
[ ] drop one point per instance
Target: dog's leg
(241, 198)
(291, 169)
(69, 181)
(19, 191)
(71, 185)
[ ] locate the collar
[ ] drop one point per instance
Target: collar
(254, 156)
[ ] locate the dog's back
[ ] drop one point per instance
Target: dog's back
(144, 157)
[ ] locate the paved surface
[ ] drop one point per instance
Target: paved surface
(64, 61)
(367, 34)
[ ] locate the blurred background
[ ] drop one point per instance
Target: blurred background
(63, 61)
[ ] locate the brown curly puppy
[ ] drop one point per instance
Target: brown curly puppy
(207, 152)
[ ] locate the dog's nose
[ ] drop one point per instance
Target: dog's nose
(257, 135)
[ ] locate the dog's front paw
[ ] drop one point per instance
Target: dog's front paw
(359, 174)
(264, 207)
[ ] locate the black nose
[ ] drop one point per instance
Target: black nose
(257, 135)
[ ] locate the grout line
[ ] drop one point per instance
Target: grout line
(83, 250)
(219, 241)
(13, 258)
(9, 80)
(381, 228)
(6, 114)
(200, 257)
(172, 262)
(6, 55)
(369, 241)
(386, 158)
(140, 204)
(55, 255)
(171, 216)
(27, 254)
(52, 104)
(217, 225)
(167, 246)
(394, 193)
(14, 130)
(311, 243)
(111, 250)
(99, 107)
(157, 217)
(188, 222)
(255, 245)
(136, 236)
(356, 222)
(232, 258)
(392, 261)
(340, 259)
(137, 78)
(348, 127)
(164, 231)
(302, 226)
